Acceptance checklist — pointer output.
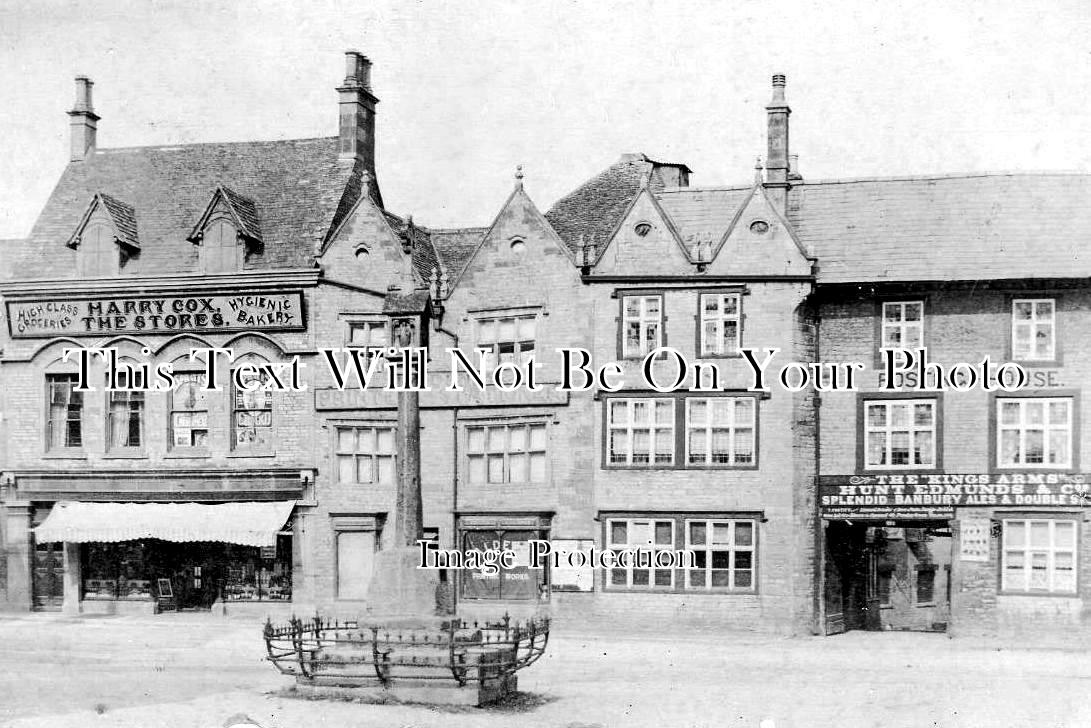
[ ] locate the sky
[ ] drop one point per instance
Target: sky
(469, 90)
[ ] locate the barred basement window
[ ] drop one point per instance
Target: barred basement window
(720, 314)
(64, 428)
(513, 453)
(1039, 556)
(900, 433)
(252, 414)
(642, 325)
(640, 431)
(720, 431)
(1033, 329)
(652, 534)
(723, 552)
(124, 417)
(189, 411)
(365, 455)
(1033, 432)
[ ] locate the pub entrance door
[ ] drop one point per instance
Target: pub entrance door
(891, 577)
(48, 588)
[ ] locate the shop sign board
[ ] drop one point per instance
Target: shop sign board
(205, 313)
(932, 496)
(974, 539)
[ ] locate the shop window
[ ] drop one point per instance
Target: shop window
(519, 582)
(355, 560)
(98, 254)
(902, 325)
(189, 411)
(650, 535)
(1034, 432)
(900, 433)
(723, 554)
(720, 431)
(258, 574)
(124, 417)
(64, 428)
(720, 323)
(365, 455)
(1039, 556)
(508, 338)
(510, 453)
(926, 585)
(640, 431)
(641, 325)
(252, 413)
(1033, 329)
(220, 249)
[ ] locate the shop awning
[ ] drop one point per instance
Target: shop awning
(249, 524)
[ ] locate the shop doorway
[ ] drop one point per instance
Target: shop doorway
(896, 576)
(48, 588)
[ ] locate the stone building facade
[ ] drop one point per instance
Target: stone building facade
(247, 501)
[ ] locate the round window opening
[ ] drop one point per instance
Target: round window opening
(518, 247)
(362, 254)
(759, 227)
(643, 228)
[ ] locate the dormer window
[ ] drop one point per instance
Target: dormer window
(221, 251)
(98, 253)
(228, 232)
(105, 238)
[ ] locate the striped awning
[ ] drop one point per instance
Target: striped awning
(249, 524)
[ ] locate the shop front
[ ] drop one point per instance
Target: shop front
(150, 557)
(519, 588)
(971, 554)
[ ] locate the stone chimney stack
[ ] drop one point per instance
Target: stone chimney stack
(84, 121)
(776, 158)
(357, 112)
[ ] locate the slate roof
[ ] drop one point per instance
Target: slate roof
(594, 208)
(246, 212)
(969, 227)
(10, 249)
(298, 190)
(702, 214)
(424, 254)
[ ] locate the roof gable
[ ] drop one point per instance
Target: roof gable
(368, 251)
(520, 220)
(628, 252)
(759, 242)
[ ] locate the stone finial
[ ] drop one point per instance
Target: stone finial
(519, 176)
(433, 283)
(758, 177)
(444, 282)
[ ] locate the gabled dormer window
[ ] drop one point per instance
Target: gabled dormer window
(227, 233)
(105, 238)
(221, 251)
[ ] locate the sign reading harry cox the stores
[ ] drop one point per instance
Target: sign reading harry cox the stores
(864, 495)
(156, 314)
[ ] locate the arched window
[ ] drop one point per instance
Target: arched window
(221, 251)
(98, 252)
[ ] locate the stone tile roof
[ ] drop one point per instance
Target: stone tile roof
(124, 218)
(297, 187)
(424, 253)
(455, 248)
(246, 212)
(594, 208)
(969, 227)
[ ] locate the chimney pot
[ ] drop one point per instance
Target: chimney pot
(779, 79)
(356, 103)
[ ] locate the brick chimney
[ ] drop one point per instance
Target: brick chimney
(776, 158)
(84, 121)
(357, 106)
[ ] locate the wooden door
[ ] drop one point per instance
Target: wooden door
(48, 576)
